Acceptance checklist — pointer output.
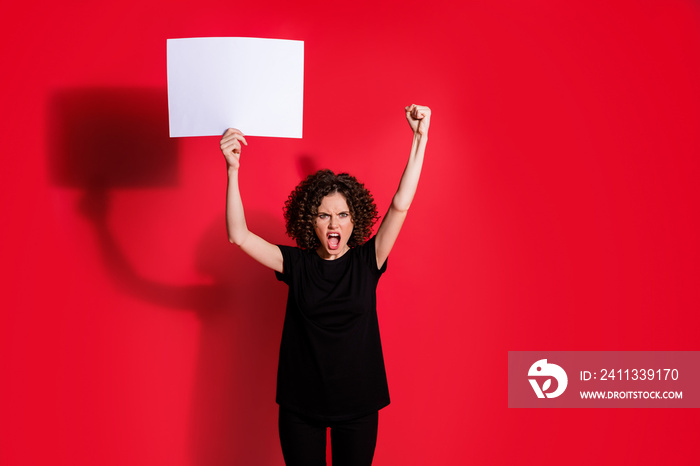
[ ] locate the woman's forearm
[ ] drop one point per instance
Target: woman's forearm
(235, 215)
(411, 174)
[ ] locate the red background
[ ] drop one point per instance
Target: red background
(558, 209)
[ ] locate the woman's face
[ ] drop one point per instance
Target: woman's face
(333, 226)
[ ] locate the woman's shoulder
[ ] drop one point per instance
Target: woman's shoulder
(368, 255)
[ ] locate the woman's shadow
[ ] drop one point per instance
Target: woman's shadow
(241, 309)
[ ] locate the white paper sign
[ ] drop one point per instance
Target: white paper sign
(255, 85)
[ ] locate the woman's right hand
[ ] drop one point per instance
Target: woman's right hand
(231, 147)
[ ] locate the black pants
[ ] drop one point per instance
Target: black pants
(304, 440)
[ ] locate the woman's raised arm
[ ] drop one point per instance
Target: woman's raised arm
(418, 118)
(262, 251)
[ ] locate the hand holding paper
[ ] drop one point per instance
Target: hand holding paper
(231, 147)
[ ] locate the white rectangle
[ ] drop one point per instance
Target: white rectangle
(255, 85)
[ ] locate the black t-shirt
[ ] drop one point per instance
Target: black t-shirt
(331, 365)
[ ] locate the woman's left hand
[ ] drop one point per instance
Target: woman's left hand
(418, 117)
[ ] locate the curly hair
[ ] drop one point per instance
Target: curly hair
(301, 207)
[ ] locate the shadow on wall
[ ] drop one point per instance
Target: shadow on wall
(109, 139)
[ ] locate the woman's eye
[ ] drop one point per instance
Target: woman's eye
(344, 214)
(322, 215)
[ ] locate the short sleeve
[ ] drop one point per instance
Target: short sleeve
(290, 260)
(368, 252)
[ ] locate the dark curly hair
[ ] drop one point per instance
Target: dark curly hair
(301, 208)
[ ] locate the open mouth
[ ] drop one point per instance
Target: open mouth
(333, 240)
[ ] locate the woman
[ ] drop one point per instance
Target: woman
(331, 368)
